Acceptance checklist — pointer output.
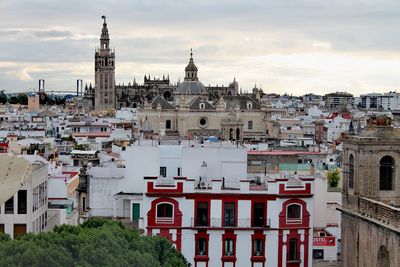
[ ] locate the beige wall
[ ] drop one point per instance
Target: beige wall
(361, 241)
(185, 121)
(33, 103)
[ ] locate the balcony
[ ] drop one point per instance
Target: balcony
(385, 214)
(221, 223)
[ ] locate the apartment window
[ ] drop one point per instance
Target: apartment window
(259, 214)
(386, 171)
(19, 229)
(201, 247)
(229, 214)
(163, 171)
(318, 254)
(293, 249)
(229, 247)
(42, 226)
(22, 195)
(83, 203)
(351, 171)
(2, 228)
(179, 171)
(9, 206)
(294, 212)
(168, 124)
(250, 125)
(165, 213)
(202, 214)
(258, 249)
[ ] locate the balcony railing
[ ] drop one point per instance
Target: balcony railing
(165, 219)
(219, 222)
(373, 209)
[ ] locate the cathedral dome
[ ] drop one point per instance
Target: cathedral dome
(191, 87)
(191, 84)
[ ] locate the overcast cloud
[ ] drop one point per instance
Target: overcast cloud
(293, 46)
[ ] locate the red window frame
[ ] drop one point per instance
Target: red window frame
(201, 235)
(297, 219)
(253, 203)
(260, 236)
(196, 204)
(235, 204)
(231, 236)
(165, 219)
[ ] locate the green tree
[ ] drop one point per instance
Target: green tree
(22, 98)
(333, 177)
(13, 100)
(3, 97)
(97, 242)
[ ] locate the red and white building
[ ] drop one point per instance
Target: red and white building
(202, 201)
(267, 224)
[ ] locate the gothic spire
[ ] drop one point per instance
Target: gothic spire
(104, 37)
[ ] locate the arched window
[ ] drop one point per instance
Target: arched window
(165, 213)
(386, 172)
(351, 171)
(383, 257)
(293, 212)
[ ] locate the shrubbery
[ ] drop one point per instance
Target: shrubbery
(97, 242)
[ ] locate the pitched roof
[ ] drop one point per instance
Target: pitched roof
(239, 100)
(158, 100)
(195, 104)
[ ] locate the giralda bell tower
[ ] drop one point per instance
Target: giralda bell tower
(104, 65)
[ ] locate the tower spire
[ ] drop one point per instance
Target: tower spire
(191, 69)
(105, 37)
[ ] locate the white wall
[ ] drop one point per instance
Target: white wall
(57, 187)
(171, 157)
(230, 163)
(140, 161)
(326, 214)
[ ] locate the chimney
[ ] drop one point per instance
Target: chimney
(312, 169)
(277, 167)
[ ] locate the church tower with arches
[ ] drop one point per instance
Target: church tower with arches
(371, 196)
(104, 72)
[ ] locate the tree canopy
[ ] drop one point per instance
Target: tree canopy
(333, 177)
(97, 242)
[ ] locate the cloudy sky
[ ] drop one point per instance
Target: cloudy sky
(291, 46)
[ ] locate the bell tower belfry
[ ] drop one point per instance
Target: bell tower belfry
(104, 72)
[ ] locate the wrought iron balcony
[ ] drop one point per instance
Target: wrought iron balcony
(227, 223)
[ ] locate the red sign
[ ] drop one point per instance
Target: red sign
(324, 241)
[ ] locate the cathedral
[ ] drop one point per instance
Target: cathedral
(185, 109)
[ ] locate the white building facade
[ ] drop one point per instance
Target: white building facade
(201, 200)
(26, 210)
